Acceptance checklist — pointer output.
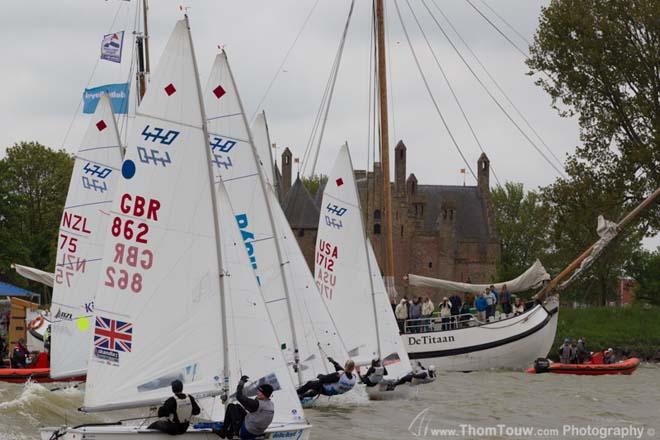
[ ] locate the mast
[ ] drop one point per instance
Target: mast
(269, 209)
(216, 224)
(552, 285)
(384, 148)
(142, 42)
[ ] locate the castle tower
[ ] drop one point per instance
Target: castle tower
(400, 168)
(287, 165)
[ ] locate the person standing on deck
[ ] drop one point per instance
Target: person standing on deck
(505, 300)
(415, 310)
(401, 313)
(427, 312)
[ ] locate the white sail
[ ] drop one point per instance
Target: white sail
(165, 321)
(286, 283)
(80, 243)
(262, 144)
(157, 308)
(355, 296)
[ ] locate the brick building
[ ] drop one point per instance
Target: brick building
(441, 231)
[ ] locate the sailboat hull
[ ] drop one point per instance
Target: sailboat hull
(122, 432)
(512, 343)
(382, 393)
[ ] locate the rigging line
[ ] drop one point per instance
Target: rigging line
(497, 85)
(286, 57)
(317, 118)
(524, 53)
(334, 81)
(451, 89)
(124, 121)
(481, 83)
(522, 37)
(89, 80)
(428, 89)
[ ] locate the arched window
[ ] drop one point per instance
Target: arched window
(377, 214)
(377, 229)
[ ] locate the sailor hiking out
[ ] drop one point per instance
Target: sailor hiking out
(375, 374)
(249, 418)
(339, 382)
(176, 412)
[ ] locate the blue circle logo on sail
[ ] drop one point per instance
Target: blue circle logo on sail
(128, 169)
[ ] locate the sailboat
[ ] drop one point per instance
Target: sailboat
(80, 248)
(350, 282)
(242, 161)
(81, 243)
(178, 299)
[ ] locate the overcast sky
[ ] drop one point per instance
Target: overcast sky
(50, 52)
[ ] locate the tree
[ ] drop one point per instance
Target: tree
(521, 221)
(313, 183)
(601, 60)
(574, 205)
(644, 267)
(34, 181)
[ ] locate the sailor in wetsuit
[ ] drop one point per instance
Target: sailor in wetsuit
(339, 382)
(374, 374)
(252, 417)
(420, 374)
(176, 412)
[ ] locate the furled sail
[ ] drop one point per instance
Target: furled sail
(348, 276)
(286, 283)
(532, 278)
(81, 242)
(38, 275)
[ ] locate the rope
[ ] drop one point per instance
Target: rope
(481, 83)
(428, 89)
(89, 80)
(498, 29)
(286, 57)
(451, 89)
(332, 87)
(497, 85)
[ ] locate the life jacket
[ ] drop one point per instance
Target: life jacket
(257, 422)
(183, 409)
(377, 375)
(343, 385)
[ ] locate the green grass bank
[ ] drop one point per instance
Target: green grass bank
(631, 331)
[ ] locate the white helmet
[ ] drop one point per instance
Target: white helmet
(431, 367)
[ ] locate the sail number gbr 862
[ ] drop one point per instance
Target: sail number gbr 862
(130, 259)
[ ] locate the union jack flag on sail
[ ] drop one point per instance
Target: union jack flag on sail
(113, 335)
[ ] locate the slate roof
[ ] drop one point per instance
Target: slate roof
(299, 207)
(469, 208)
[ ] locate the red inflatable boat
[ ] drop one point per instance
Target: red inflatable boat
(39, 372)
(594, 367)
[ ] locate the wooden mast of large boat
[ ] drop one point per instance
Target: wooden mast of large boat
(384, 148)
(142, 42)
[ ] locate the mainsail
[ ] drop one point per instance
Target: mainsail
(348, 276)
(262, 144)
(173, 282)
(301, 322)
(81, 241)
(532, 278)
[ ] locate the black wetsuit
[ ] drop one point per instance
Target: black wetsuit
(370, 371)
(169, 409)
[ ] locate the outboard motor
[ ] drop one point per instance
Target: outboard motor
(541, 365)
